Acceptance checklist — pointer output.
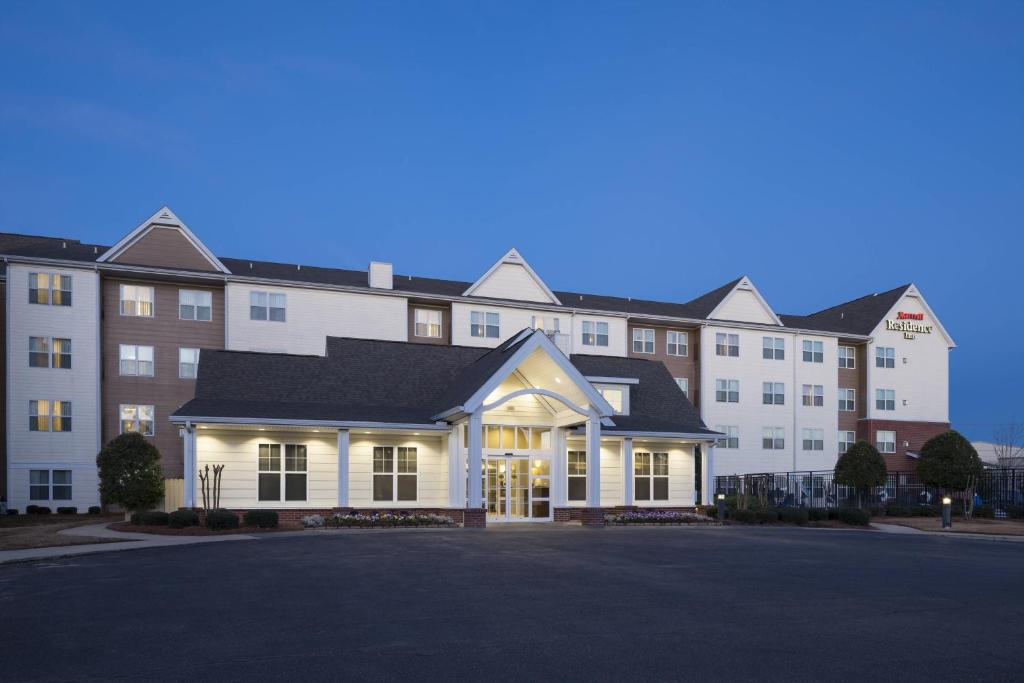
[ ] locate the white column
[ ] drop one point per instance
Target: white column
(189, 435)
(343, 444)
(456, 468)
(593, 462)
(475, 497)
(627, 471)
(707, 469)
(559, 473)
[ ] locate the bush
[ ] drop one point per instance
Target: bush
(854, 516)
(38, 510)
(1015, 511)
(743, 516)
(154, 518)
(179, 519)
(861, 467)
(70, 510)
(817, 514)
(924, 511)
(31, 509)
(984, 511)
(897, 511)
(129, 472)
(221, 519)
(94, 510)
(766, 516)
(263, 519)
(12, 512)
(793, 515)
(135, 519)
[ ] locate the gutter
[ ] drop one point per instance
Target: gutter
(340, 424)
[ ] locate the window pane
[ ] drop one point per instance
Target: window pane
(270, 486)
(407, 460)
(383, 485)
(295, 487)
(295, 458)
(660, 465)
(383, 459)
(577, 488)
(642, 488)
(661, 488)
(406, 487)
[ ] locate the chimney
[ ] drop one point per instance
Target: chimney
(380, 275)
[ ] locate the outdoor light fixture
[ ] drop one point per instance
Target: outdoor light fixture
(721, 507)
(947, 512)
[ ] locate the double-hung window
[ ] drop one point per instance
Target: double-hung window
(427, 323)
(137, 418)
(394, 473)
(271, 306)
(773, 438)
(813, 395)
(727, 344)
(643, 340)
(773, 393)
(847, 357)
(684, 385)
(289, 485)
(677, 343)
(727, 390)
(617, 398)
(595, 333)
(49, 289)
(846, 440)
(136, 361)
(885, 399)
(731, 438)
(484, 324)
(47, 352)
(188, 363)
(650, 476)
(814, 351)
(814, 439)
(137, 301)
(885, 357)
(49, 416)
(847, 400)
(49, 485)
(195, 304)
(577, 475)
(773, 348)
(885, 441)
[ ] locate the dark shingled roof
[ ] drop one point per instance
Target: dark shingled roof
(859, 316)
(365, 380)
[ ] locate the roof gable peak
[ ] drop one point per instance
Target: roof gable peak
(744, 303)
(167, 220)
(511, 277)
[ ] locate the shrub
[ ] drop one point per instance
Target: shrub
(12, 512)
(179, 519)
(313, 521)
(135, 519)
(38, 510)
(1015, 511)
(861, 467)
(94, 510)
(263, 519)
(70, 510)
(154, 518)
(897, 511)
(221, 519)
(924, 511)
(793, 515)
(817, 514)
(854, 516)
(31, 509)
(129, 472)
(985, 511)
(743, 516)
(766, 516)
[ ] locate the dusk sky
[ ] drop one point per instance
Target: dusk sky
(644, 149)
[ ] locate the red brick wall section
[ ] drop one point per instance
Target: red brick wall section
(474, 518)
(592, 516)
(914, 433)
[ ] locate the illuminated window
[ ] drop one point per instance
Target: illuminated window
(137, 301)
(427, 323)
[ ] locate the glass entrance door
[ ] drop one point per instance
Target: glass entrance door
(517, 489)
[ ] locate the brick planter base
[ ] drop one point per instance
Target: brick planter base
(592, 517)
(474, 518)
(295, 515)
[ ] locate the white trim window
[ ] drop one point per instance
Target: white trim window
(137, 301)
(885, 357)
(847, 400)
(49, 485)
(814, 439)
(773, 438)
(195, 304)
(136, 361)
(394, 474)
(270, 306)
(731, 438)
(885, 399)
(617, 397)
(727, 390)
(547, 324)
(677, 343)
(291, 484)
(49, 352)
(684, 385)
(577, 476)
(773, 393)
(595, 333)
(814, 351)
(137, 418)
(847, 357)
(427, 323)
(773, 348)
(485, 324)
(727, 344)
(813, 395)
(885, 441)
(846, 440)
(49, 416)
(188, 363)
(643, 340)
(650, 476)
(49, 289)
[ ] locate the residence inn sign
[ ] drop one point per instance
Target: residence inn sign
(905, 323)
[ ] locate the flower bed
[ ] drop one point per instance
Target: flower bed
(656, 517)
(376, 520)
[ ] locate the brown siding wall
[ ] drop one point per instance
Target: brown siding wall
(165, 248)
(916, 433)
(685, 366)
(166, 334)
(446, 324)
(855, 379)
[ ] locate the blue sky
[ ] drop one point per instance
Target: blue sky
(647, 149)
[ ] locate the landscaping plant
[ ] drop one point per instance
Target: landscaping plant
(129, 472)
(262, 519)
(949, 462)
(179, 519)
(221, 519)
(862, 468)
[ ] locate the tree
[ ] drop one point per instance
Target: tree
(130, 474)
(949, 462)
(861, 467)
(1008, 444)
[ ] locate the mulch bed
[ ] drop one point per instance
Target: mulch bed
(196, 530)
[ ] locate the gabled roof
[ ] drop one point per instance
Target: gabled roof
(743, 284)
(859, 316)
(164, 218)
(513, 258)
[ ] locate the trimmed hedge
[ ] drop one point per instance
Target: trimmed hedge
(154, 518)
(817, 514)
(743, 516)
(94, 510)
(221, 519)
(793, 515)
(12, 512)
(70, 510)
(766, 516)
(1015, 511)
(854, 516)
(263, 519)
(37, 510)
(135, 519)
(985, 511)
(179, 519)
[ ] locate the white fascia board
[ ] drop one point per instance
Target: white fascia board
(914, 292)
(748, 283)
(703, 438)
(513, 257)
(163, 217)
(344, 424)
(613, 380)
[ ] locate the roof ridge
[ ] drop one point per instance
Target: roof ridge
(859, 298)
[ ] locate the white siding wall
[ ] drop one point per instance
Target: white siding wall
(826, 417)
(743, 306)
(312, 316)
(513, 320)
(680, 470)
(512, 281)
(431, 465)
(616, 336)
(75, 450)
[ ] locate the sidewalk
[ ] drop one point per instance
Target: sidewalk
(906, 530)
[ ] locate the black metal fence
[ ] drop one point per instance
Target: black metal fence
(999, 488)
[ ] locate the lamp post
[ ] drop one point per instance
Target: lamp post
(947, 513)
(721, 507)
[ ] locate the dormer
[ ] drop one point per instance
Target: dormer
(746, 305)
(163, 241)
(512, 278)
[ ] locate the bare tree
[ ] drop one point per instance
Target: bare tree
(1008, 444)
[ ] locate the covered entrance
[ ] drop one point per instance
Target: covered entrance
(517, 489)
